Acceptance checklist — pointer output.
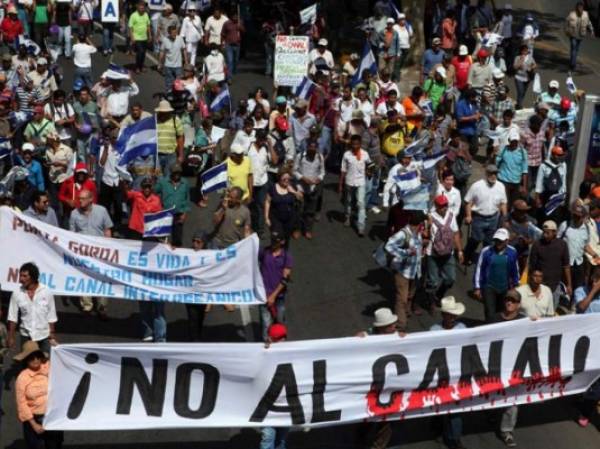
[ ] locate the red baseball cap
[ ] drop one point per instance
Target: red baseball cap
(441, 200)
(277, 332)
(483, 53)
(565, 103)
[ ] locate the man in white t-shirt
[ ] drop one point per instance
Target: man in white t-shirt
(214, 65)
(320, 59)
(261, 154)
(191, 32)
(82, 58)
(214, 26)
(353, 180)
(390, 103)
(536, 298)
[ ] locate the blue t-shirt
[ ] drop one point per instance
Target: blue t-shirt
(580, 294)
(431, 58)
(465, 109)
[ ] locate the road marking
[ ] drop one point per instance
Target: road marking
(149, 54)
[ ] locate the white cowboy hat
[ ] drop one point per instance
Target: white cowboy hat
(164, 106)
(384, 317)
(449, 305)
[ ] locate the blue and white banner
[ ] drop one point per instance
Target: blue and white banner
(214, 178)
(5, 147)
(367, 62)
(159, 224)
(305, 89)
(116, 72)
(554, 202)
(73, 264)
(308, 15)
(417, 199)
(431, 160)
(221, 101)
(137, 140)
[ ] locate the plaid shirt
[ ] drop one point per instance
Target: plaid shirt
(400, 246)
(534, 144)
(499, 106)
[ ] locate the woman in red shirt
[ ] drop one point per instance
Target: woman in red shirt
(142, 202)
(11, 27)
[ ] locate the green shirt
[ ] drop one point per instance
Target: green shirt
(138, 24)
(167, 133)
(435, 92)
(172, 195)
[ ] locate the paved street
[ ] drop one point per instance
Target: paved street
(336, 286)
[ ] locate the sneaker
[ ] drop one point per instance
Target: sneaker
(347, 222)
(583, 421)
(508, 439)
(375, 210)
(147, 339)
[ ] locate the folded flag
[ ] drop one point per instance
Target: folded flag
(431, 160)
(417, 199)
(305, 89)
(367, 62)
(220, 101)
(571, 87)
(32, 48)
(491, 40)
(214, 178)
(5, 147)
(554, 202)
(159, 224)
(308, 15)
(116, 72)
(138, 139)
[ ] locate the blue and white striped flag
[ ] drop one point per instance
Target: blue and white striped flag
(571, 87)
(431, 160)
(308, 15)
(554, 202)
(220, 101)
(32, 48)
(367, 62)
(215, 178)
(116, 72)
(5, 147)
(136, 140)
(407, 181)
(159, 224)
(417, 199)
(305, 89)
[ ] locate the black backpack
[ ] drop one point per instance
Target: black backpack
(553, 181)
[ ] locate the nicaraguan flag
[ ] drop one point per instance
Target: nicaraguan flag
(367, 62)
(116, 72)
(417, 199)
(32, 48)
(308, 15)
(220, 101)
(136, 140)
(215, 178)
(305, 89)
(554, 202)
(431, 160)
(571, 87)
(393, 10)
(5, 147)
(407, 181)
(159, 224)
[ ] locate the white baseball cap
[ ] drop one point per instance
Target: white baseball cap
(322, 42)
(441, 71)
(555, 84)
(513, 135)
(463, 50)
(497, 73)
(236, 148)
(502, 235)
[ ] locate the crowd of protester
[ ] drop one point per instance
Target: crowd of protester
(487, 156)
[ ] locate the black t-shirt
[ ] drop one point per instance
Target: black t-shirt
(499, 318)
(63, 10)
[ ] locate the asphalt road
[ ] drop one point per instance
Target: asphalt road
(335, 290)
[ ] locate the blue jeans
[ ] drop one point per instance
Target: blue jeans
(171, 74)
(165, 161)
(441, 274)
(575, 43)
(325, 140)
(140, 53)
(85, 75)
(356, 194)
(521, 91)
(273, 437)
(232, 56)
(64, 34)
(266, 318)
(371, 190)
(108, 32)
(154, 323)
(452, 426)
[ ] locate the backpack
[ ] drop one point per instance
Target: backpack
(553, 181)
(443, 241)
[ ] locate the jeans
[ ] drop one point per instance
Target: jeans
(232, 56)
(492, 302)
(64, 34)
(196, 314)
(482, 230)
(356, 194)
(452, 428)
(325, 140)
(108, 32)
(575, 43)
(257, 207)
(166, 160)
(310, 206)
(441, 274)
(509, 419)
(85, 75)
(372, 190)
(47, 440)
(521, 91)
(266, 316)
(154, 323)
(111, 197)
(171, 74)
(273, 437)
(140, 54)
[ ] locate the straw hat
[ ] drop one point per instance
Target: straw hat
(384, 317)
(29, 347)
(164, 106)
(451, 306)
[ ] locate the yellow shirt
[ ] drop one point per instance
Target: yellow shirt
(237, 175)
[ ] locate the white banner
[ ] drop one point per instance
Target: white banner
(109, 11)
(74, 264)
(291, 60)
(321, 382)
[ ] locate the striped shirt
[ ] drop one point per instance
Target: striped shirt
(167, 134)
(400, 245)
(26, 98)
